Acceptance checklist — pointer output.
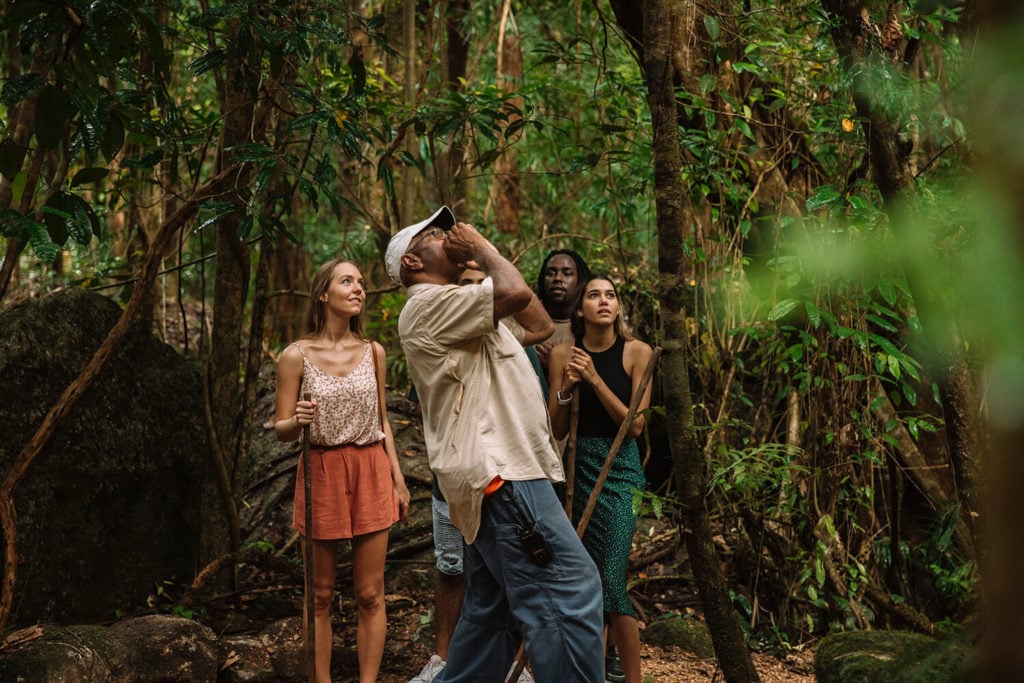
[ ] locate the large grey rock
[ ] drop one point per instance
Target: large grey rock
(151, 649)
(109, 508)
(162, 648)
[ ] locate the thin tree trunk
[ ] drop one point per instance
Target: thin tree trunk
(452, 176)
(674, 212)
(408, 177)
(231, 285)
(505, 190)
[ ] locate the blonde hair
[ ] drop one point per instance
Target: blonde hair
(317, 316)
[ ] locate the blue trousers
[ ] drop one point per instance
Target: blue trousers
(556, 607)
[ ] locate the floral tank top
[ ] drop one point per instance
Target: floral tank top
(347, 408)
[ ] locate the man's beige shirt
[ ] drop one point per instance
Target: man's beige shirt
(478, 394)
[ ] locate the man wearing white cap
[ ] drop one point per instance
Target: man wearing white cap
(490, 446)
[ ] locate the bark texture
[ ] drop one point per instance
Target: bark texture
(674, 213)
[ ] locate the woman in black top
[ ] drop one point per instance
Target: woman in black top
(606, 365)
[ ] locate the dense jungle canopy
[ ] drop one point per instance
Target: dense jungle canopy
(813, 207)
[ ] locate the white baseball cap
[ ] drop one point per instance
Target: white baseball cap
(442, 218)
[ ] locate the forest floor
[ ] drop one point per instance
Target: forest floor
(409, 585)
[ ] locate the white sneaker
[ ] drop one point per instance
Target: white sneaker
(432, 668)
(526, 676)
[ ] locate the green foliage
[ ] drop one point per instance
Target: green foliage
(749, 475)
(165, 601)
(803, 326)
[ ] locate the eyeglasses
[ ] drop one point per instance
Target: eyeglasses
(434, 233)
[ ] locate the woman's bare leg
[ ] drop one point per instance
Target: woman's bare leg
(369, 552)
(626, 636)
(325, 557)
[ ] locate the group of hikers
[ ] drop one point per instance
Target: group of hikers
(496, 367)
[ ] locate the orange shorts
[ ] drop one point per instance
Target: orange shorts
(353, 493)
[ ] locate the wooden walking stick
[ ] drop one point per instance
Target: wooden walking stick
(307, 481)
(520, 661)
(570, 464)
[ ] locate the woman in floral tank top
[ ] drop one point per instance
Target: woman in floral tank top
(358, 487)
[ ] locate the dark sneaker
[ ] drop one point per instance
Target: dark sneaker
(613, 672)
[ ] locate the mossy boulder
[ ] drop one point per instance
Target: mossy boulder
(109, 509)
(675, 630)
(891, 657)
(146, 649)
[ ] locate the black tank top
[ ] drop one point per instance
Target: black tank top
(594, 419)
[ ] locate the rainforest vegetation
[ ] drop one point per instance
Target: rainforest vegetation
(813, 208)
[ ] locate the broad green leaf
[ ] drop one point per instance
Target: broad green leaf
(84, 222)
(708, 82)
(43, 247)
(52, 114)
(888, 292)
(813, 314)
(245, 226)
(18, 88)
(12, 157)
(745, 129)
(113, 138)
(97, 26)
(712, 27)
(822, 197)
(68, 214)
(325, 172)
(782, 309)
(885, 345)
(881, 322)
(211, 60)
(909, 393)
(894, 366)
(89, 175)
(251, 151)
(56, 222)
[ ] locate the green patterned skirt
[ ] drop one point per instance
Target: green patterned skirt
(609, 534)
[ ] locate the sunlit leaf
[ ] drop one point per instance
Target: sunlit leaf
(782, 308)
(823, 197)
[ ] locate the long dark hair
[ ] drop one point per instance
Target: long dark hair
(582, 271)
(317, 316)
(579, 327)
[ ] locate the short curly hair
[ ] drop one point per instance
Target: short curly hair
(582, 271)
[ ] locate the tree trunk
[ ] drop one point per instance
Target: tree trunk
(409, 54)
(451, 174)
(505, 195)
(231, 272)
(995, 102)
(674, 212)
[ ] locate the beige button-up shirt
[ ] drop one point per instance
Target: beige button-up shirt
(478, 393)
